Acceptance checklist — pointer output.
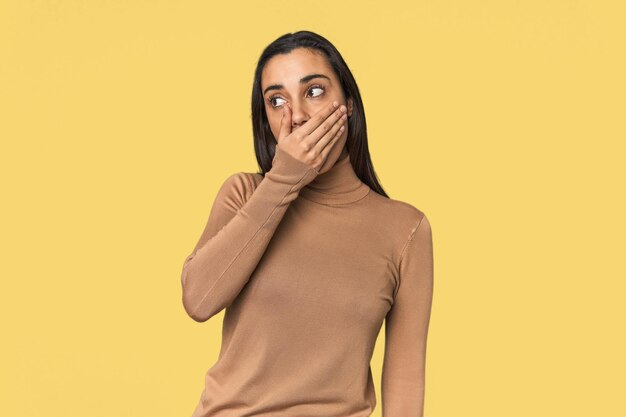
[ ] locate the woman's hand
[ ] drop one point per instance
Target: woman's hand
(312, 142)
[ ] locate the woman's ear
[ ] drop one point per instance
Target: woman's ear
(349, 106)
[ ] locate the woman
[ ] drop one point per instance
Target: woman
(310, 256)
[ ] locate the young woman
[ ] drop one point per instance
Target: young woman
(310, 256)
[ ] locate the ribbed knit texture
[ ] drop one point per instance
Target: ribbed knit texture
(308, 266)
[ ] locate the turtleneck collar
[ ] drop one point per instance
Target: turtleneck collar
(338, 185)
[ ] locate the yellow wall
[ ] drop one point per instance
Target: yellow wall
(502, 120)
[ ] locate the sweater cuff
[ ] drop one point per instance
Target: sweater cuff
(287, 169)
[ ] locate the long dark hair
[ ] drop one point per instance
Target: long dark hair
(356, 144)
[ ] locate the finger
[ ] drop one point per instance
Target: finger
(285, 123)
(327, 128)
(329, 146)
(319, 117)
(333, 134)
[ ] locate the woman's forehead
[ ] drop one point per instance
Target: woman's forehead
(290, 68)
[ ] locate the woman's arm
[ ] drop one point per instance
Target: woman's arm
(406, 328)
(237, 234)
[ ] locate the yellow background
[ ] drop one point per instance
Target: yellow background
(502, 120)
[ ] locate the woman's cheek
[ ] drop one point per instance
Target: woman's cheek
(274, 124)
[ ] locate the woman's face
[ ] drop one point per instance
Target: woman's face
(305, 82)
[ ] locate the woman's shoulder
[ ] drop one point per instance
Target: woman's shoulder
(244, 180)
(397, 219)
(394, 221)
(239, 185)
(400, 210)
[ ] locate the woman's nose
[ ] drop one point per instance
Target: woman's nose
(299, 115)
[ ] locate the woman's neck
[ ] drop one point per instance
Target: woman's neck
(338, 185)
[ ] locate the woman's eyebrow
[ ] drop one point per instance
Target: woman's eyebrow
(302, 81)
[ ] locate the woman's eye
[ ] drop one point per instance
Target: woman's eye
(272, 99)
(316, 87)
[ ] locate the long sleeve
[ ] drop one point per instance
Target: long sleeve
(240, 226)
(406, 328)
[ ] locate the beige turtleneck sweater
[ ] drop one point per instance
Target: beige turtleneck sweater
(308, 266)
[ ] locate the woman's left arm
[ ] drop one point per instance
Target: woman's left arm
(406, 328)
